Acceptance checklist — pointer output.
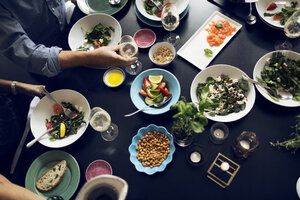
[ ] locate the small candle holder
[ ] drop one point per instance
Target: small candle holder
(218, 133)
(245, 144)
(195, 155)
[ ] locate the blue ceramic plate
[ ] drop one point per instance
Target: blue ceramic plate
(172, 85)
(156, 23)
(132, 149)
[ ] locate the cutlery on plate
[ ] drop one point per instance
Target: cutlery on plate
(114, 2)
(33, 103)
(157, 4)
(68, 115)
(282, 94)
(165, 100)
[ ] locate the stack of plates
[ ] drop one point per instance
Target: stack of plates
(152, 20)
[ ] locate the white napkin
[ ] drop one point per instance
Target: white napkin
(69, 10)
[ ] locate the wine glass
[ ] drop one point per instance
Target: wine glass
(291, 30)
(170, 21)
(129, 49)
(100, 121)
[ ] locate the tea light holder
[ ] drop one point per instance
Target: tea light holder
(223, 170)
(195, 155)
(245, 144)
(218, 133)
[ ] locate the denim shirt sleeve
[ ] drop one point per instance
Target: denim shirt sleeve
(20, 49)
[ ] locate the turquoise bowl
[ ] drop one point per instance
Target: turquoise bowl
(172, 85)
(132, 149)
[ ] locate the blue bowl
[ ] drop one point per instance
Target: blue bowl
(132, 149)
(172, 85)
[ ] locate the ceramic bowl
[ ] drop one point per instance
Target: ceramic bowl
(114, 79)
(132, 149)
(77, 33)
(155, 48)
(144, 38)
(97, 168)
(44, 110)
(172, 85)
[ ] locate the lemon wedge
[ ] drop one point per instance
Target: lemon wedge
(155, 79)
(62, 130)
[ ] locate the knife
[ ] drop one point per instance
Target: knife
(33, 103)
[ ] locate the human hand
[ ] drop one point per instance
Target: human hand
(74, 1)
(107, 56)
(30, 89)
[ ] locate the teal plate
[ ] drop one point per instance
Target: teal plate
(156, 23)
(96, 6)
(69, 182)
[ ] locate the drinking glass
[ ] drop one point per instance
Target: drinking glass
(245, 144)
(170, 21)
(130, 49)
(100, 121)
(291, 30)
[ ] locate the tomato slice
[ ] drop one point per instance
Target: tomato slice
(277, 17)
(159, 14)
(146, 84)
(143, 93)
(165, 92)
(57, 109)
(48, 125)
(162, 85)
(272, 6)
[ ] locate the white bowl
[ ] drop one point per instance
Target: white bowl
(109, 71)
(233, 72)
(44, 110)
(181, 5)
(259, 66)
(261, 7)
(155, 48)
(77, 33)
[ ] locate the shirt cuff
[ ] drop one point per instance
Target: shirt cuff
(52, 66)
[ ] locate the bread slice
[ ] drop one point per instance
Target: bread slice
(52, 177)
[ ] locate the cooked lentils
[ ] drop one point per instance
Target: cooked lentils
(153, 149)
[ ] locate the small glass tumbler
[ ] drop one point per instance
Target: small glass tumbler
(245, 144)
(218, 133)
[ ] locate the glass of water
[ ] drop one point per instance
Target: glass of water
(100, 121)
(170, 21)
(130, 49)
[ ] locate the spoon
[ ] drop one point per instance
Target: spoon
(165, 100)
(114, 2)
(282, 94)
(251, 19)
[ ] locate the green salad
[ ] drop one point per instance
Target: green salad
(222, 95)
(151, 9)
(285, 13)
(97, 37)
(68, 127)
(281, 72)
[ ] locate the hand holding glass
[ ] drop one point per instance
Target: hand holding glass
(130, 49)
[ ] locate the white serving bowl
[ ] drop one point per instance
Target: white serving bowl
(44, 110)
(155, 48)
(77, 33)
(234, 73)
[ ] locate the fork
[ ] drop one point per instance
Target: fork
(157, 4)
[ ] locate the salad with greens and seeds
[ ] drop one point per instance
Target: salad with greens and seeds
(281, 72)
(97, 37)
(222, 95)
(151, 9)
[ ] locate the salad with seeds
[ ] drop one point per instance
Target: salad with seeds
(223, 95)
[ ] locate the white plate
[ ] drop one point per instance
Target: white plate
(233, 72)
(261, 7)
(298, 187)
(193, 49)
(44, 110)
(78, 31)
(180, 5)
(259, 66)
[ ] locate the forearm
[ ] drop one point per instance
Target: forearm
(20, 88)
(69, 59)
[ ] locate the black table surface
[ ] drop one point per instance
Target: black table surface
(267, 174)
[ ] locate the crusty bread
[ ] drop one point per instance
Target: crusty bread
(52, 177)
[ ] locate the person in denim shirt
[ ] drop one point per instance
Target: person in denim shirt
(31, 35)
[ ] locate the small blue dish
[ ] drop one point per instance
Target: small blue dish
(172, 85)
(132, 149)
